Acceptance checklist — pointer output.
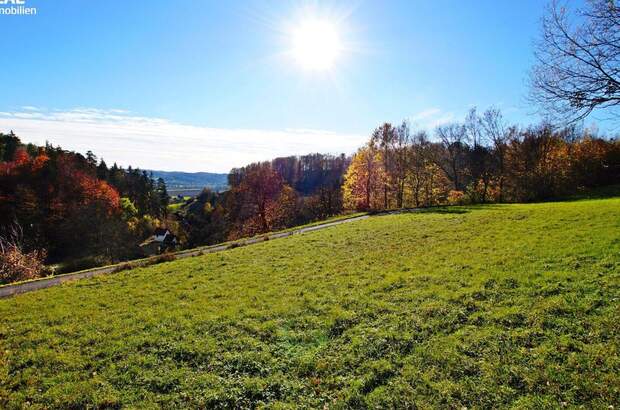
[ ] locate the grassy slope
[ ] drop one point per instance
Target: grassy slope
(513, 305)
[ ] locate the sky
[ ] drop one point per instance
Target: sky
(199, 85)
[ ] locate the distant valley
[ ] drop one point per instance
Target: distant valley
(191, 183)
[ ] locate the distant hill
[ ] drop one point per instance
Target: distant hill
(177, 181)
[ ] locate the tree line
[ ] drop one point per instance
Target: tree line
(73, 208)
(267, 196)
(60, 206)
(481, 159)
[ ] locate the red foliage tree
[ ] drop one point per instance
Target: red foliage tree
(260, 201)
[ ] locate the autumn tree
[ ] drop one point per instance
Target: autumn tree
(383, 140)
(282, 211)
(426, 183)
(364, 182)
(539, 165)
(417, 167)
(595, 162)
(68, 204)
(401, 146)
(253, 203)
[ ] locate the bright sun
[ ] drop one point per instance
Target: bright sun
(316, 44)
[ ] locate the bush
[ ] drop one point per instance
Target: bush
(17, 265)
(456, 198)
(123, 267)
(164, 257)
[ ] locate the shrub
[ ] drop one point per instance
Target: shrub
(17, 265)
(456, 198)
(122, 267)
(164, 257)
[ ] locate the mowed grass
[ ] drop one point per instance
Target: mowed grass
(478, 307)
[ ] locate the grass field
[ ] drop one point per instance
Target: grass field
(478, 307)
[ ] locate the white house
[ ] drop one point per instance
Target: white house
(160, 235)
(164, 238)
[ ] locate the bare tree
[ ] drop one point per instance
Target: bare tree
(577, 66)
(453, 139)
(473, 127)
(480, 162)
(497, 134)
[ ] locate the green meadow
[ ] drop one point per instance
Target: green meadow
(486, 306)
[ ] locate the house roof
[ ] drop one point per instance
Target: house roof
(160, 231)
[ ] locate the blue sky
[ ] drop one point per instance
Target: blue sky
(207, 85)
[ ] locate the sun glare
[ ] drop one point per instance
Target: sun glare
(316, 44)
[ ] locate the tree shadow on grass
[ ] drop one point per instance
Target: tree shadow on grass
(455, 209)
(604, 192)
(596, 193)
(444, 210)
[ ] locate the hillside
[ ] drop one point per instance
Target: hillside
(481, 307)
(197, 180)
